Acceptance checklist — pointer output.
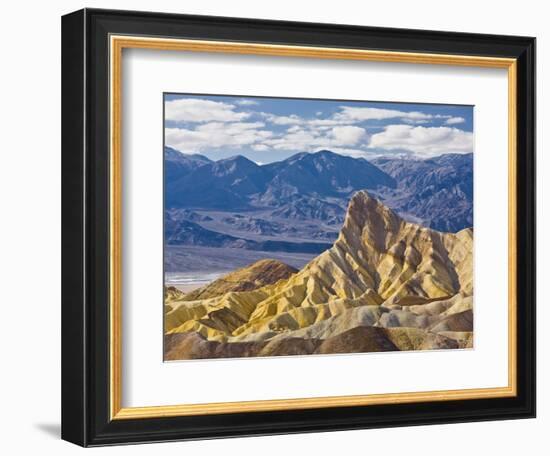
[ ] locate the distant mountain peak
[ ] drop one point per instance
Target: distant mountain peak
(292, 158)
(435, 192)
(175, 155)
(326, 153)
(239, 160)
(234, 158)
(236, 165)
(320, 154)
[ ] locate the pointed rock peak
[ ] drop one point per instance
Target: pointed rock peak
(366, 212)
(363, 202)
(361, 195)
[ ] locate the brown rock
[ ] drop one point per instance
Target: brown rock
(358, 340)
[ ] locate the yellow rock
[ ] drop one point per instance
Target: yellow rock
(398, 272)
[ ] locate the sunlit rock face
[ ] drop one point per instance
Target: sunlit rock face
(386, 284)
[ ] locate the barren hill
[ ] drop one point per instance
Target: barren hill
(386, 284)
(251, 277)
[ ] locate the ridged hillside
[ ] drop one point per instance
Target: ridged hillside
(251, 277)
(385, 284)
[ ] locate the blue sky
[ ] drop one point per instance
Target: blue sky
(271, 129)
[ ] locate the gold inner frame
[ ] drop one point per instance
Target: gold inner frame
(117, 44)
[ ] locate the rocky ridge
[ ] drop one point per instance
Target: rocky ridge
(386, 284)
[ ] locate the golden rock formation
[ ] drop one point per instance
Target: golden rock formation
(395, 283)
(251, 277)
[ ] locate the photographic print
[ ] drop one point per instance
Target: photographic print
(240, 195)
(309, 227)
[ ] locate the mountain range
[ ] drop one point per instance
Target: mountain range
(184, 232)
(193, 181)
(386, 284)
(305, 196)
(437, 191)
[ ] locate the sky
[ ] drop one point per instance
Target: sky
(271, 129)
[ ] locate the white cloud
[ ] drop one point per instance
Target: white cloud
(299, 140)
(221, 125)
(423, 141)
(352, 114)
(293, 119)
(245, 102)
(415, 122)
(348, 136)
(327, 122)
(349, 115)
(455, 120)
(215, 135)
(199, 110)
(293, 129)
(311, 139)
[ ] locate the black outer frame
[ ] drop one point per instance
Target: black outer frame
(85, 227)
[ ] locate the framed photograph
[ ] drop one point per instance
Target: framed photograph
(278, 227)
